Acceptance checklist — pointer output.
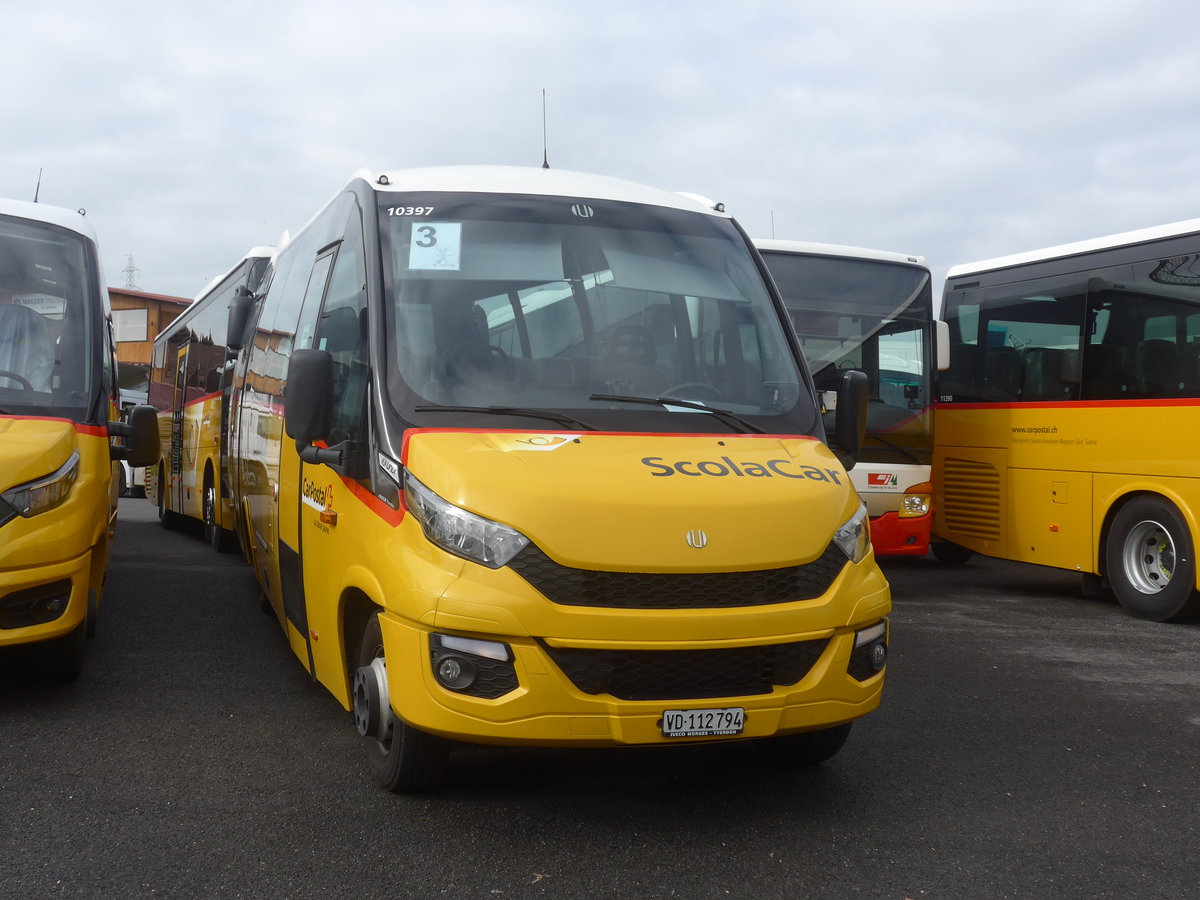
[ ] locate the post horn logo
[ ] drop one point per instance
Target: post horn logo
(697, 539)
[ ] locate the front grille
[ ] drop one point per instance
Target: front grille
(971, 499)
(687, 674)
(659, 590)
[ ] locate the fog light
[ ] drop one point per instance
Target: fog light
(33, 606)
(878, 655)
(472, 666)
(870, 652)
(455, 673)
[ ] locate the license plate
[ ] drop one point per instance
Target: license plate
(703, 722)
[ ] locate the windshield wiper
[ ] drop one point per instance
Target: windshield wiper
(732, 419)
(560, 418)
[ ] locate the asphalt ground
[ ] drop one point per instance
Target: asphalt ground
(1031, 743)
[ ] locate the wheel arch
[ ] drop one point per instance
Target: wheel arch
(357, 607)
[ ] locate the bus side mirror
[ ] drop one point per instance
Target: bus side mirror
(308, 395)
(241, 308)
(140, 437)
(941, 345)
(850, 426)
(308, 406)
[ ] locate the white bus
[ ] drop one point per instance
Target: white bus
(871, 311)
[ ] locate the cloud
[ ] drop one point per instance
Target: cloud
(957, 131)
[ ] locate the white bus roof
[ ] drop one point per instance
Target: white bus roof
(811, 248)
(252, 253)
(54, 215)
(529, 180)
(1092, 245)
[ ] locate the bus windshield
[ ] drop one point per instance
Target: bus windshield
(499, 302)
(47, 301)
(871, 315)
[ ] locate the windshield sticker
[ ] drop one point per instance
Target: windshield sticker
(436, 246)
(543, 441)
(48, 305)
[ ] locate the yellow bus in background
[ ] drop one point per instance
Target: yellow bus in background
(529, 457)
(189, 386)
(1066, 424)
(872, 311)
(58, 405)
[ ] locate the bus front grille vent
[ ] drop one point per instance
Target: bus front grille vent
(971, 499)
(687, 674)
(663, 590)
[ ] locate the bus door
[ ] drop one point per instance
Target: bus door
(329, 514)
(174, 485)
(293, 486)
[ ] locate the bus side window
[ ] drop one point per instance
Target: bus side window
(342, 330)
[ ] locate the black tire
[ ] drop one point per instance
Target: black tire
(166, 517)
(123, 483)
(62, 658)
(808, 748)
(409, 760)
(950, 554)
(1150, 561)
(220, 539)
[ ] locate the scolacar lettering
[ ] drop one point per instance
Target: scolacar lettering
(726, 467)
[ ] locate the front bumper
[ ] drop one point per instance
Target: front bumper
(29, 592)
(548, 708)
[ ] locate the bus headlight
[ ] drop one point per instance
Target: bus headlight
(917, 501)
(35, 497)
(460, 532)
(854, 537)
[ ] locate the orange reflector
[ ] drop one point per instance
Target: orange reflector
(329, 516)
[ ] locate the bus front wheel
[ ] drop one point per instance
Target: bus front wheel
(167, 517)
(1151, 563)
(220, 539)
(401, 758)
(808, 748)
(63, 657)
(949, 554)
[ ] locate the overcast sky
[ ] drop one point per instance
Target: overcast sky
(955, 130)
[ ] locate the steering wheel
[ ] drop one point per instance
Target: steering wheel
(702, 388)
(25, 384)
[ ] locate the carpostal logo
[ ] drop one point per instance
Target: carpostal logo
(319, 497)
(725, 467)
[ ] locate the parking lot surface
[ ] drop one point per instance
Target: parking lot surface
(1031, 743)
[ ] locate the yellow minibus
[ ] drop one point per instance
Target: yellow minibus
(59, 475)
(529, 457)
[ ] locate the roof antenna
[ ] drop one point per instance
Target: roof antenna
(545, 152)
(37, 190)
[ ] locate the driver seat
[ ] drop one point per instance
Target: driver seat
(26, 348)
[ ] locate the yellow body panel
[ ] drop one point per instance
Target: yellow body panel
(69, 541)
(1038, 482)
(590, 501)
(199, 454)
